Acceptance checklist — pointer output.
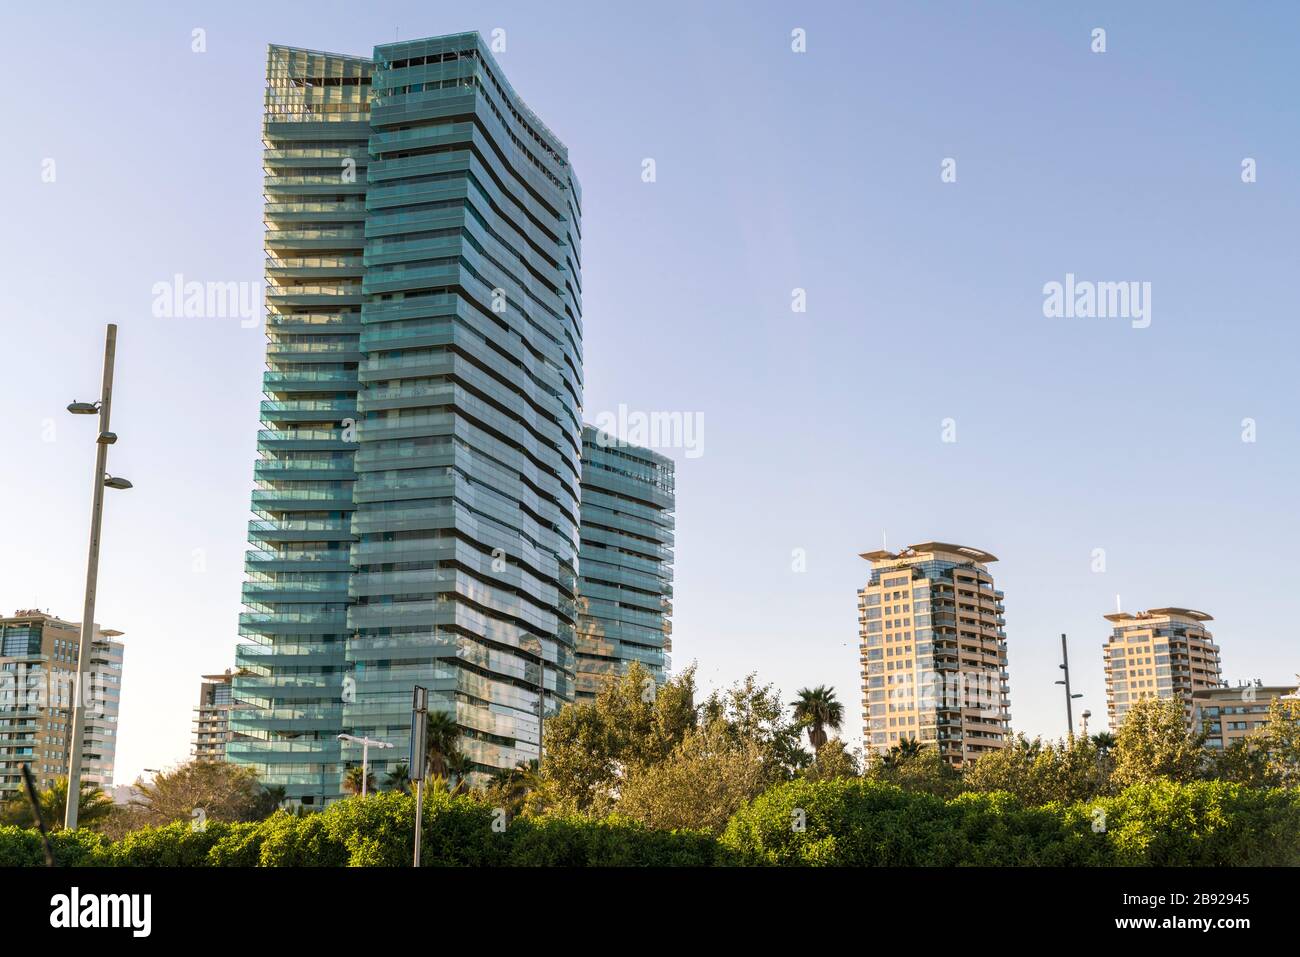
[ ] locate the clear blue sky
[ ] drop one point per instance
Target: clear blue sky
(775, 170)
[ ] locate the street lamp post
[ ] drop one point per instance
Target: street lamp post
(365, 755)
(541, 704)
(416, 764)
(102, 480)
(1069, 698)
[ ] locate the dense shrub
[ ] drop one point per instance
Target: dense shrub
(580, 842)
(841, 822)
(288, 841)
(1208, 823)
(173, 845)
(21, 847)
(240, 846)
(862, 823)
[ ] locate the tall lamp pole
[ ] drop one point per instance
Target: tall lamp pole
(366, 744)
(541, 702)
(419, 757)
(102, 480)
(1069, 698)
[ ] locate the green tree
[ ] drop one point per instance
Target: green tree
(269, 800)
(1280, 740)
(905, 750)
(224, 792)
(816, 709)
(442, 742)
(704, 781)
(509, 788)
(459, 767)
(398, 779)
(93, 808)
(835, 760)
(591, 745)
(917, 768)
(352, 779)
(1104, 742)
(753, 712)
(1245, 761)
(1040, 772)
(1154, 742)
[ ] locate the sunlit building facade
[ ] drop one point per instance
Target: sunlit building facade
(1227, 715)
(1161, 653)
(933, 652)
(38, 670)
(211, 725)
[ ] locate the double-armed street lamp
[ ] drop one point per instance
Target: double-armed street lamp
(366, 745)
(102, 481)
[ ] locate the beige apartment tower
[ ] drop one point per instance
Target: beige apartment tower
(933, 652)
(211, 724)
(1162, 653)
(38, 672)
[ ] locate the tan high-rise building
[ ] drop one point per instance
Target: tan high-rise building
(38, 669)
(211, 724)
(933, 652)
(1227, 715)
(1163, 653)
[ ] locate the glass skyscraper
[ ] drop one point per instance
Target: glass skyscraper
(416, 500)
(625, 589)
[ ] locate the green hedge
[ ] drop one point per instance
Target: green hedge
(862, 823)
(845, 822)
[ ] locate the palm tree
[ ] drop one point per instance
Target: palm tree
(511, 786)
(1104, 742)
(442, 736)
(906, 749)
(352, 780)
(398, 779)
(818, 710)
(94, 805)
(270, 799)
(459, 767)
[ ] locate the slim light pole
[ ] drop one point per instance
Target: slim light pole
(1069, 698)
(102, 480)
(418, 759)
(365, 756)
(541, 703)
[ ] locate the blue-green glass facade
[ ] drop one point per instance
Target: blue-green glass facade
(625, 587)
(290, 665)
(439, 538)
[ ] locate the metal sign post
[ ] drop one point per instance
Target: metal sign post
(419, 733)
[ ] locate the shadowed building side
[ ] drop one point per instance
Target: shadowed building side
(625, 583)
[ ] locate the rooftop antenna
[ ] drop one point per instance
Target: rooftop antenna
(1117, 604)
(884, 540)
